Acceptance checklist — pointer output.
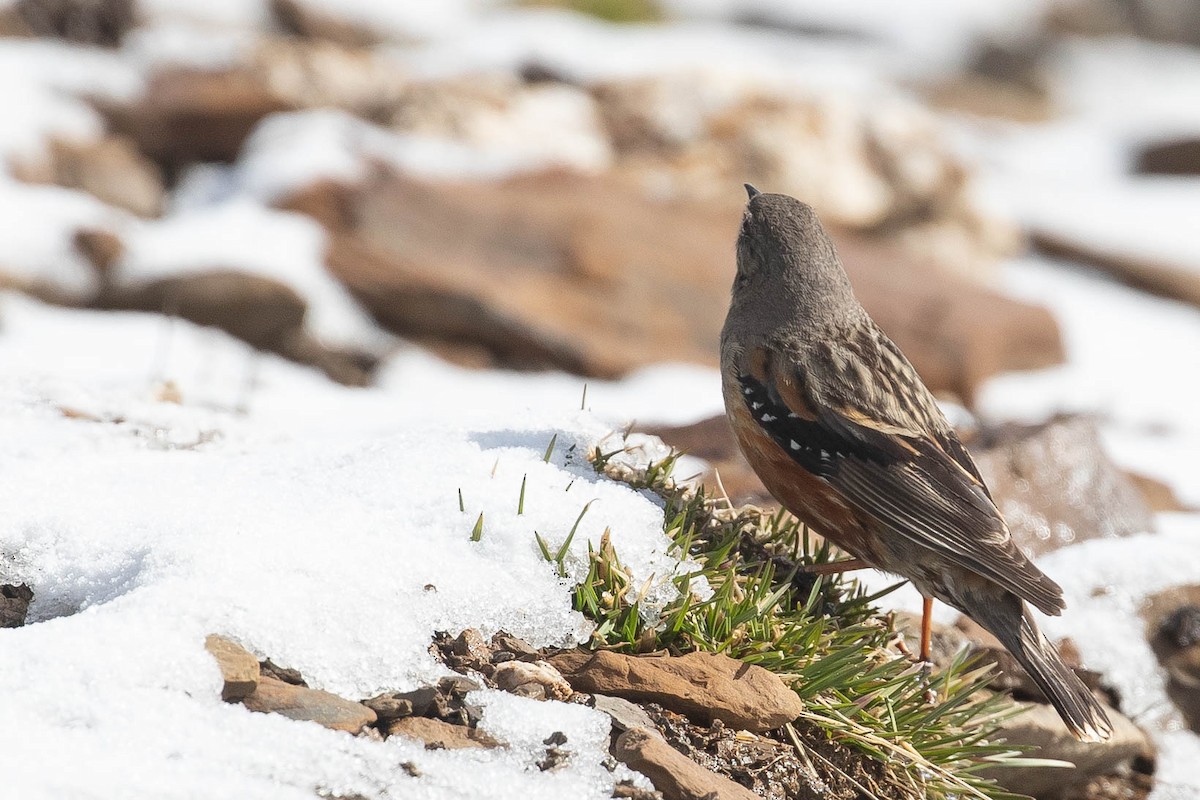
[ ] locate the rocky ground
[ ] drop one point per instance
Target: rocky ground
(535, 190)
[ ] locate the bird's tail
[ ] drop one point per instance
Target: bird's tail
(1011, 622)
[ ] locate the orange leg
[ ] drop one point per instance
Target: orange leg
(835, 567)
(926, 627)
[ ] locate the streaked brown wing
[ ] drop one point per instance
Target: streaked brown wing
(904, 468)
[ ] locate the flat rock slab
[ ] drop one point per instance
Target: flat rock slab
(1041, 729)
(310, 705)
(592, 276)
(673, 773)
(239, 668)
(703, 686)
(440, 735)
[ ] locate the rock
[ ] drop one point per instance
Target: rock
(319, 74)
(188, 115)
(591, 276)
(1178, 282)
(1158, 495)
(1056, 486)
(111, 169)
(239, 668)
(14, 604)
(1165, 20)
(312, 705)
(537, 680)
(507, 643)
(1173, 628)
(314, 21)
(1173, 157)
(863, 166)
(671, 772)
(261, 311)
(438, 735)
(272, 670)
(102, 248)
(624, 714)
(99, 22)
(470, 644)
(704, 686)
(1040, 728)
(388, 707)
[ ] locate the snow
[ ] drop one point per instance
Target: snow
(321, 528)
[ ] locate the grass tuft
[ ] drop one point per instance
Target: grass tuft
(477, 531)
(820, 634)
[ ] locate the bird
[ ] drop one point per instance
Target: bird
(844, 434)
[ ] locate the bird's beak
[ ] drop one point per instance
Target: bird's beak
(751, 192)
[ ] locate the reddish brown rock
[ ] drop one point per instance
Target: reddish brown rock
(111, 169)
(1040, 729)
(589, 275)
(192, 115)
(239, 668)
(1178, 282)
(313, 705)
(704, 686)
(1055, 485)
(440, 735)
(673, 773)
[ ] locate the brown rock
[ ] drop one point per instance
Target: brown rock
(538, 680)
(14, 604)
(1055, 485)
(239, 668)
(704, 686)
(1159, 496)
(1173, 628)
(625, 714)
(312, 705)
(671, 772)
(1178, 282)
(111, 169)
(99, 22)
(589, 275)
(192, 115)
(1040, 728)
(102, 248)
(263, 312)
(438, 735)
(1174, 157)
(314, 21)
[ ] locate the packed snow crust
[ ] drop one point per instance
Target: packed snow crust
(319, 526)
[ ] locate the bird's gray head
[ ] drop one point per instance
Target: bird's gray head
(785, 256)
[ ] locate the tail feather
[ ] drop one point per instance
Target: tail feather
(1011, 622)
